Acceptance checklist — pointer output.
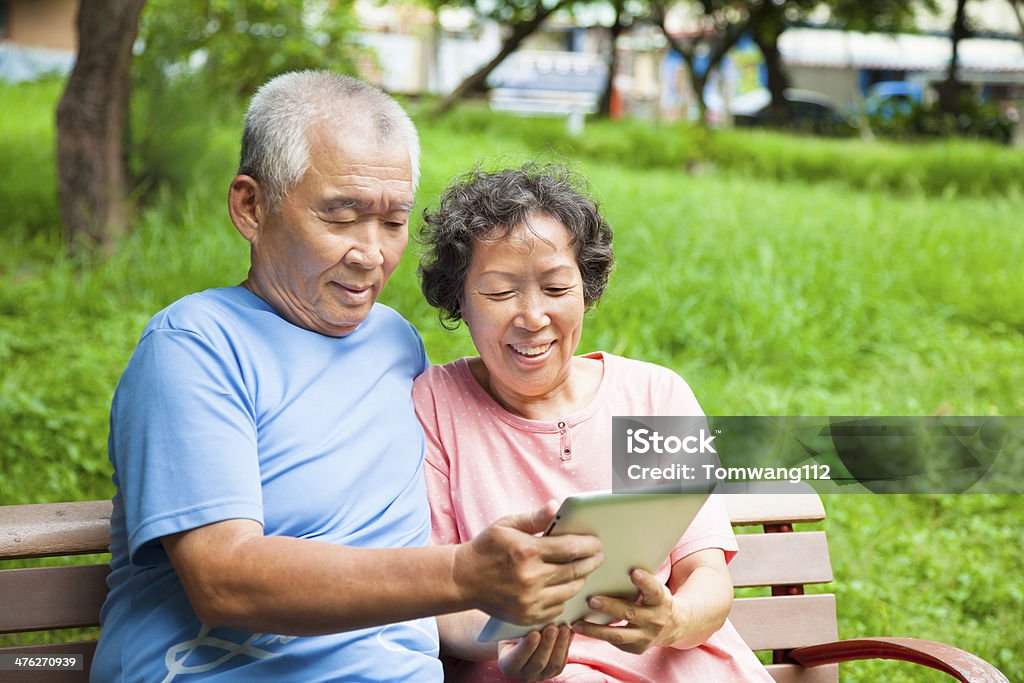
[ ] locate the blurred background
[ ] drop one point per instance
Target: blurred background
(817, 207)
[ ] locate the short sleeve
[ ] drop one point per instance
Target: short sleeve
(423, 359)
(182, 441)
(677, 397)
(436, 468)
(711, 527)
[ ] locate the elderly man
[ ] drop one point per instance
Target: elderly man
(270, 516)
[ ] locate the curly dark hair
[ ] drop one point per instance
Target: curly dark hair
(481, 206)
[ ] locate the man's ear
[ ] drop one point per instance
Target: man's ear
(245, 198)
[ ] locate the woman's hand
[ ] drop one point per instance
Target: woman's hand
(651, 621)
(538, 655)
(683, 614)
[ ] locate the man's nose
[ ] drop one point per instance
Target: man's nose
(367, 252)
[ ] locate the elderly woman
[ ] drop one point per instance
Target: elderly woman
(520, 256)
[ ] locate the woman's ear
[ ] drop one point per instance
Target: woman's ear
(244, 206)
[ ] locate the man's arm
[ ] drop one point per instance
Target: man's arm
(237, 577)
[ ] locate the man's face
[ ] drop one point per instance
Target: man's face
(324, 256)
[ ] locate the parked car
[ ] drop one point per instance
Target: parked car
(808, 111)
(886, 99)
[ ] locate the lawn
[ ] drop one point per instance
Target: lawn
(792, 291)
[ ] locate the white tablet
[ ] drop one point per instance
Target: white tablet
(637, 530)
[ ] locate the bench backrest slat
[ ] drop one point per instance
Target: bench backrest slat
(785, 622)
(51, 597)
(746, 509)
(781, 559)
(54, 529)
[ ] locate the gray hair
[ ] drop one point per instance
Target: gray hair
(275, 151)
(483, 207)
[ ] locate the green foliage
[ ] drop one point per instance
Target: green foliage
(198, 59)
(172, 152)
(771, 291)
(879, 15)
(232, 47)
(509, 12)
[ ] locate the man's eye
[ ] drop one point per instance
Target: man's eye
(395, 225)
(338, 218)
(558, 291)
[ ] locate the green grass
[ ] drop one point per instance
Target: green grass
(800, 288)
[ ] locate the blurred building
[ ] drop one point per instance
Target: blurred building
(843, 65)
(36, 37)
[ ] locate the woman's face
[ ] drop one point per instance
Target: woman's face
(523, 304)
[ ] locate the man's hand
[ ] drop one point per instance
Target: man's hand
(537, 656)
(652, 621)
(508, 572)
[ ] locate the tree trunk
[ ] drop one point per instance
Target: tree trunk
(1020, 19)
(519, 33)
(720, 46)
(766, 36)
(949, 91)
(92, 175)
(604, 107)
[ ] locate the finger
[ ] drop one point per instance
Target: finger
(652, 591)
(532, 522)
(621, 637)
(616, 608)
(569, 548)
(515, 654)
(539, 660)
(579, 554)
(559, 652)
(549, 604)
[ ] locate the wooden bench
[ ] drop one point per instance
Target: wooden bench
(799, 629)
(50, 598)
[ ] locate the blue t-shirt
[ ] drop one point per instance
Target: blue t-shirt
(228, 411)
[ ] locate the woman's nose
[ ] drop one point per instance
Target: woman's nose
(532, 315)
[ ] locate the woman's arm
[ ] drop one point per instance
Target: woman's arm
(683, 614)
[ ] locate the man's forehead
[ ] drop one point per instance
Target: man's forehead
(361, 170)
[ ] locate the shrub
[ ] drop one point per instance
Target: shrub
(982, 120)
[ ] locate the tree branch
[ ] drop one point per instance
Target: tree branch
(520, 32)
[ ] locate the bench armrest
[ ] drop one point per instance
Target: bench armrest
(959, 664)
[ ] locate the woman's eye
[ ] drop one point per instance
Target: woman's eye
(498, 295)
